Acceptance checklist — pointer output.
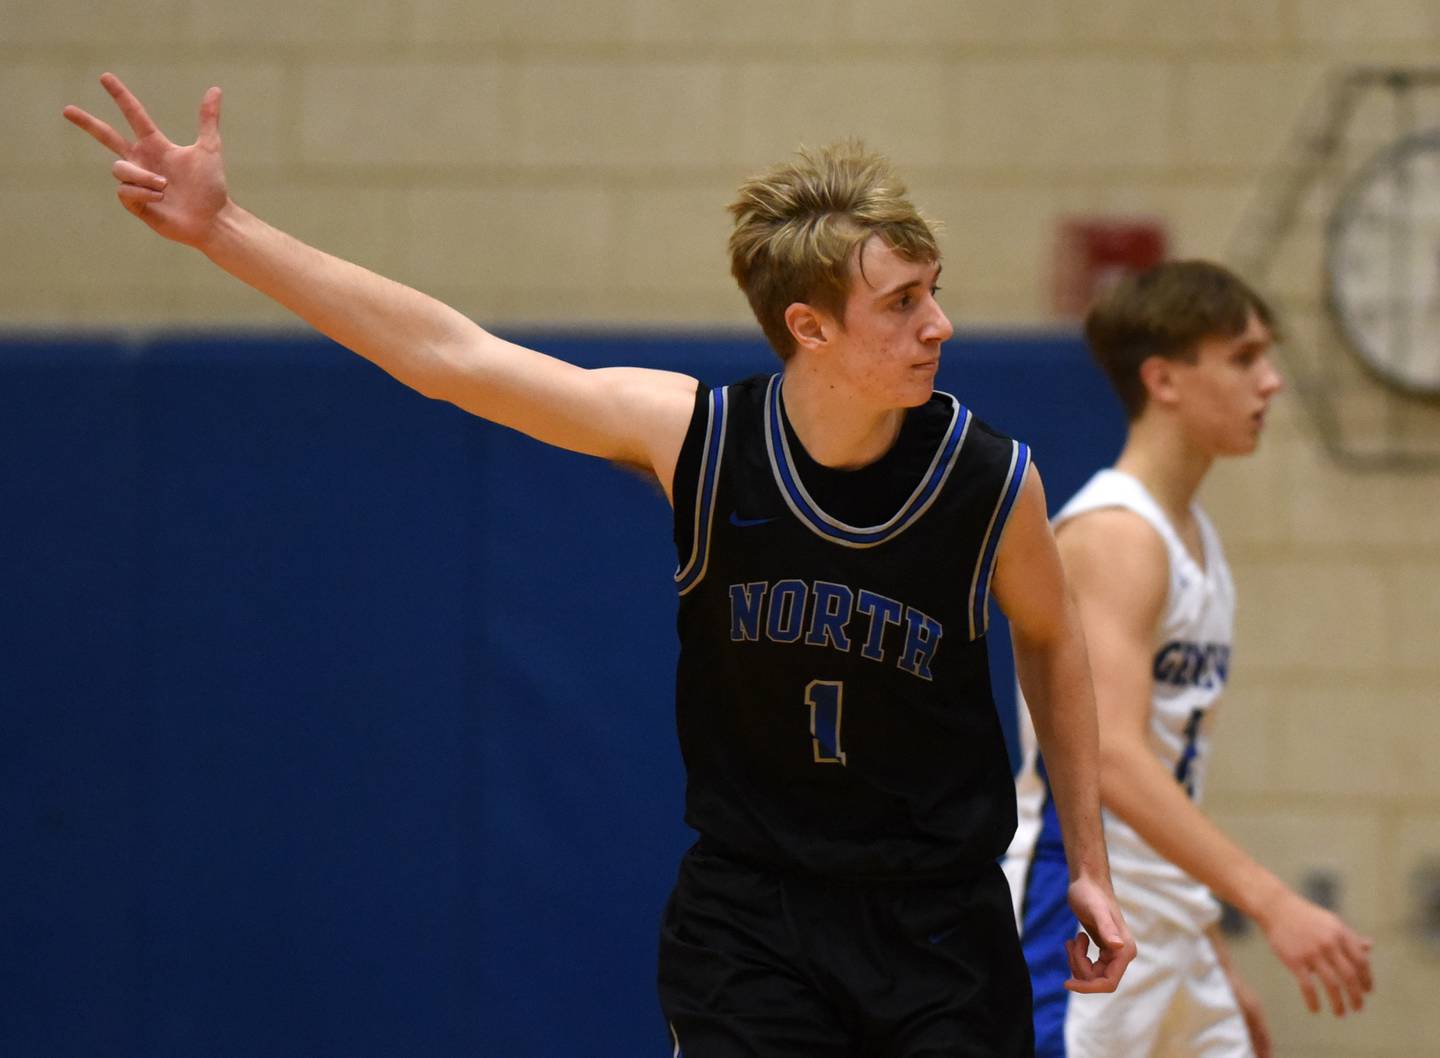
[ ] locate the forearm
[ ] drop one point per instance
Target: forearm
(1055, 678)
(432, 348)
(1139, 790)
(406, 333)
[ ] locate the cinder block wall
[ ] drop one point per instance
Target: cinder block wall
(569, 163)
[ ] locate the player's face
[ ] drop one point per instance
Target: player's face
(1224, 395)
(893, 327)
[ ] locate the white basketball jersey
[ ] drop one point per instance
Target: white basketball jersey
(1189, 666)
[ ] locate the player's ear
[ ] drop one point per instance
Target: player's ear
(809, 326)
(1158, 376)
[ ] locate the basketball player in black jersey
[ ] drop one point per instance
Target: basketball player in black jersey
(840, 530)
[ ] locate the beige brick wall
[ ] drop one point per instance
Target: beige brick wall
(569, 162)
(1037, 108)
(1324, 757)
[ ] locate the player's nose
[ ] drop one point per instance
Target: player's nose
(938, 327)
(1271, 380)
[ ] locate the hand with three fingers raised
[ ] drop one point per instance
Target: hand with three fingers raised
(178, 191)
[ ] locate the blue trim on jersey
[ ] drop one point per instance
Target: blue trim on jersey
(823, 524)
(980, 615)
(691, 575)
(1046, 923)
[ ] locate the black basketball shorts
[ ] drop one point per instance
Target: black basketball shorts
(762, 966)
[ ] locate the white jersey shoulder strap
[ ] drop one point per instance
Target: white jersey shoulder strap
(1114, 488)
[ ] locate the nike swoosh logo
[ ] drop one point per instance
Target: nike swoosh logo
(745, 523)
(936, 938)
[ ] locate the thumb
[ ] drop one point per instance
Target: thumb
(1095, 916)
(1108, 931)
(210, 119)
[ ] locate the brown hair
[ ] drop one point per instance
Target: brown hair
(1166, 311)
(798, 223)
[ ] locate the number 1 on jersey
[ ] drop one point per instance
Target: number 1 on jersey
(1184, 769)
(825, 697)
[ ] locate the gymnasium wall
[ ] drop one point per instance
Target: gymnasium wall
(567, 164)
(570, 161)
(338, 722)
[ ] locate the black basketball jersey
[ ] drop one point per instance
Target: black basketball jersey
(833, 695)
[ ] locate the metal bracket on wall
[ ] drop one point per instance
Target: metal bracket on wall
(1426, 885)
(1291, 244)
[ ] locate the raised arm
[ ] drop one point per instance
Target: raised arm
(1050, 662)
(1119, 571)
(629, 415)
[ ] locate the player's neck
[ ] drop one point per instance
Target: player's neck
(837, 427)
(1168, 466)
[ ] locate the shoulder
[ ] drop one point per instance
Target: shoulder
(742, 402)
(978, 433)
(704, 401)
(1110, 530)
(644, 385)
(988, 434)
(983, 447)
(1115, 519)
(1115, 553)
(652, 406)
(753, 388)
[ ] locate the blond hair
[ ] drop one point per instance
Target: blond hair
(798, 223)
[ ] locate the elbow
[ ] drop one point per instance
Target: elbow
(449, 365)
(1117, 766)
(441, 389)
(426, 387)
(432, 386)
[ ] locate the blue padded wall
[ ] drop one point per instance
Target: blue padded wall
(336, 722)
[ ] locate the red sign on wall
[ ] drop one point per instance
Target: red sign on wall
(1093, 252)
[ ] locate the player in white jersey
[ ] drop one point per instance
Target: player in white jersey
(1186, 346)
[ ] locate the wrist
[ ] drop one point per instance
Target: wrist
(1086, 857)
(1264, 899)
(224, 230)
(1094, 871)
